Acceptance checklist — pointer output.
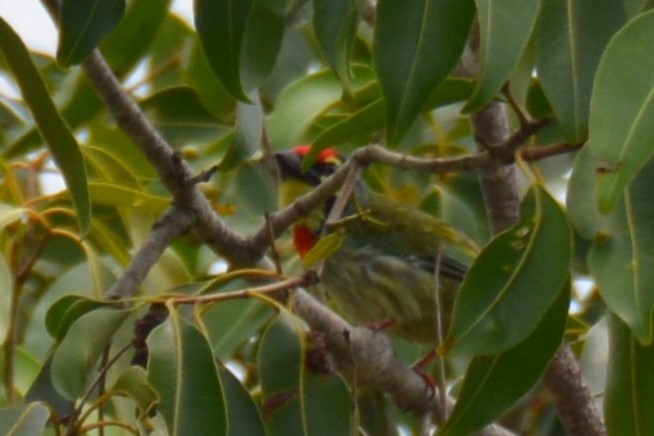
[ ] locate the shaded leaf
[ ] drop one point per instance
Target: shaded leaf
(304, 100)
(279, 361)
(193, 124)
(133, 382)
(247, 135)
(319, 389)
(629, 395)
(523, 267)
(242, 413)
(59, 138)
(335, 23)
(65, 311)
(581, 201)
(231, 324)
(43, 390)
(221, 26)
(572, 36)
(127, 43)
(366, 120)
(621, 260)
(83, 24)
(505, 28)
(621, 131)
(262, 42)
(416, 45)
(26, 420)
(494, 383)
(75, 360)
(182, 370)
(296, 386)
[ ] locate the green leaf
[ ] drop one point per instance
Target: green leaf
(65, 311)
(505, 28)
(296, 387)
(26, 420)
(416, 45)
(242, 413)
(572, 36)
(621, 131)
(514, 281)
(367, 117)
(262, 42)
(111, 194)
(581, 200)
(335, 23)
(319, 389)
(75, 361)
(182, 370)
(629, 395)
(231, 324)
(247, 135)
(621, 260)
(326, 246)
(221, 25)
(43, 390)
(59, 138)
(366, 120)
(304, 100)
(494, 383)
(279, 361)
(133, 383)
(193, 124)
(127, 43)
(82, 25)
(199, 76)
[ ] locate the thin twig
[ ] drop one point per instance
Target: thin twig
(304, 280)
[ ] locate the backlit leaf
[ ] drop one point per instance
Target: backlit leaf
(59, 138)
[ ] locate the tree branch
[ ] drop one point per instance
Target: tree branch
(373, 357)
(365, 355)
(173, 223)
(563, 379)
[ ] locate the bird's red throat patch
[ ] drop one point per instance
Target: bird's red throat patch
(303, 239)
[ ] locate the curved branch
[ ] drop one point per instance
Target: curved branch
(173, 223)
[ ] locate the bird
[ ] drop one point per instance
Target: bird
(393, 265)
